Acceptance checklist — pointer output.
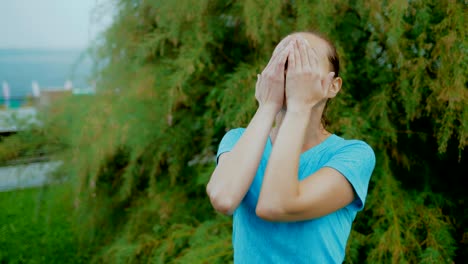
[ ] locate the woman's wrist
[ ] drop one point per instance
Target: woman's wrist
(302, 109)
(269, 109)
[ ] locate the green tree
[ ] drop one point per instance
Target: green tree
(174, 76)
(185, 72)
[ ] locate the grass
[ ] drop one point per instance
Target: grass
(35, 226)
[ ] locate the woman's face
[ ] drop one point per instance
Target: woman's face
(320, 46)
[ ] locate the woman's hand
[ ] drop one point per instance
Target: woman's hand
(305, 87)
(269, 90)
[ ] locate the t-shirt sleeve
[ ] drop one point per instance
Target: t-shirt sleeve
(229, 141)
(356, 162)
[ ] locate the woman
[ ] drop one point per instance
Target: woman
(294, 188)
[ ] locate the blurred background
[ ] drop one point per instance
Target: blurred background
(111, 113)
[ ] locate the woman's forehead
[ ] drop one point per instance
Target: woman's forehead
(315, 42)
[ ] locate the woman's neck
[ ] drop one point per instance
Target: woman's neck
(315, 133)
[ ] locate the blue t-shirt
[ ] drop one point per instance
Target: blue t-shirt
(320, 240)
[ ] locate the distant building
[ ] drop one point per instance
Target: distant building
(6, 94)
(36, 90)
(47, 97)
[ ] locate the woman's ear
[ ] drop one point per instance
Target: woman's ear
(335, 87)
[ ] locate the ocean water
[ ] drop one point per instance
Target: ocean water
(49, 68)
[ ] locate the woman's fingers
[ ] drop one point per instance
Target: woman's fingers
(304, 53)
(277, 62)
(313, 58)
(297, 56)
(280, 64)
(328, 81)
(272, 62)
(291, 59)
(283, 45)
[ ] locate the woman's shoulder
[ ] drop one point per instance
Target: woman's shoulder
(342, 143)
(234, 132)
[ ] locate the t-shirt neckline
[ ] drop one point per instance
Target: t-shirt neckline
(315, 148)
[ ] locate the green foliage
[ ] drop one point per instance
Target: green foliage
(36, 228)
(30, 143)
(175, 75)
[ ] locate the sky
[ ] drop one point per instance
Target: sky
(52, 24)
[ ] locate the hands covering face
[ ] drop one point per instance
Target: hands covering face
(303, 83)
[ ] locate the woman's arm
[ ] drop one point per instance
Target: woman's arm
(283, 197)
(236, 169)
